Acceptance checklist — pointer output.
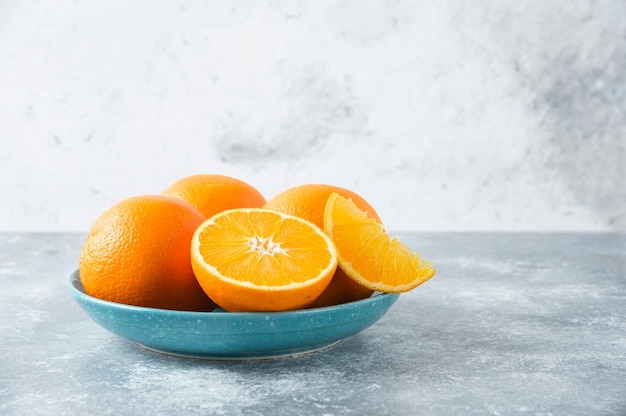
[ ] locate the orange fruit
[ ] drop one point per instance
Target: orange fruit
(254, 259)
(309, 202)
(137, 253)
(215, 193)
(342, 289)
(368, 254)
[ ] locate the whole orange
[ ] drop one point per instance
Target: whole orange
(309, 202)
(138, 253)
(215, 193)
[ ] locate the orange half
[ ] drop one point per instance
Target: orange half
(255, 259)
(368, 254)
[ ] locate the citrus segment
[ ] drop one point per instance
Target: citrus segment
(215, 193)
(254, 259)
(368, 254)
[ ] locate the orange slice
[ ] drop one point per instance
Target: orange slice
(368, 254)
(256, 259)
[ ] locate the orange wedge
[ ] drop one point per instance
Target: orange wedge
(368, 254)
(256, 259)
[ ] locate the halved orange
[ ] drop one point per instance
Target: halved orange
(368, 254)
(256, 259)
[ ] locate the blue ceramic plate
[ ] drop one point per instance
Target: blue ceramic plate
(240, 335)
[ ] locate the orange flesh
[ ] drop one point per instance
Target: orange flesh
(262, 260)
(263, 255)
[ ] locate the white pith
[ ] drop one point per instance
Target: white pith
(265, 246)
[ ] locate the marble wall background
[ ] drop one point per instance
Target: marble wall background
(450, 115)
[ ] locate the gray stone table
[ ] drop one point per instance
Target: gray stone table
(512, 324)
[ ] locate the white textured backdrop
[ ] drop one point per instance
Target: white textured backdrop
(483, 115)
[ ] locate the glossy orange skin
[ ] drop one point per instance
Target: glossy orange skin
(309, 202)
(137, 253)
(212, 194)
(342, 289)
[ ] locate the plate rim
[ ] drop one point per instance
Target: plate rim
(343, 317)
(74, 279)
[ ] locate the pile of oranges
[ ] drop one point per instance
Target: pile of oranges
(213, 240)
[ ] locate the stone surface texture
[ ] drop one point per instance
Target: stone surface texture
(512, 324)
